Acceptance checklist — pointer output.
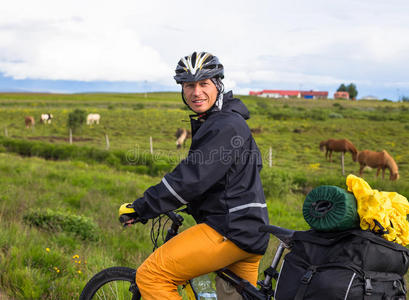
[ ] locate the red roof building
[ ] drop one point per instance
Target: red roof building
(314, 95)
(276, 94)
(290, 94)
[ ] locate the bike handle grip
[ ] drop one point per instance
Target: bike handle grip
(124, 218)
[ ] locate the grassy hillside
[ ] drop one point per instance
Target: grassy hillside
(58, 217)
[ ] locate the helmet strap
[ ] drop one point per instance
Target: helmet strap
(220, 88)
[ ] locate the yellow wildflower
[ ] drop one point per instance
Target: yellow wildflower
(47, 249)
(76, 256)
(314, 166)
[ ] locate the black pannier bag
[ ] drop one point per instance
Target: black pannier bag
(353, 264)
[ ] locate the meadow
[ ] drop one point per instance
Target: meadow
(59, 202)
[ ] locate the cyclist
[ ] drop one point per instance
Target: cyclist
(219, 183)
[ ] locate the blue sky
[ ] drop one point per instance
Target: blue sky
(133, 46)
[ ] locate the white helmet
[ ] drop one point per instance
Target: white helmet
(198, 66)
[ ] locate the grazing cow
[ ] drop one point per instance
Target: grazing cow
(379, 160)
(181, 135)
(29, 120)
(343, 145)
(93, 118)
(46, 118)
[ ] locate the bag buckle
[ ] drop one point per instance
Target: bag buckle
(368, 286)
(397, 284)
(308, 275)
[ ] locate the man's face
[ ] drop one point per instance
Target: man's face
(200, 95)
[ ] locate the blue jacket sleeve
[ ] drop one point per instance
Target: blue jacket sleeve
(213, 151)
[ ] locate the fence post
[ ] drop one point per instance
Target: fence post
(107, 141)
(151, 144)
(270, 157)
(6, 132)
(70, 136)
(342, 163)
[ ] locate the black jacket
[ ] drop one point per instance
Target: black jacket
(219, 180)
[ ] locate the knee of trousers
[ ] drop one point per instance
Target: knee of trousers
(148, 276)
(144, 277)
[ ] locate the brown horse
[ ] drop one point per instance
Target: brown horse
(342, 145)
(181, 135)
(29, 121)
(379, 160)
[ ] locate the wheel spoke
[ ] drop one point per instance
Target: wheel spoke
(114, 290)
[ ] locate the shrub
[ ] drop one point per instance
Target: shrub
(275, 182)
(263, 107)
(138, 106)
(378, 117)
(280, 115)
(117, 158)
(334, 115)
(55, 221)
(317, 114)
(160, 167)
(76, 119)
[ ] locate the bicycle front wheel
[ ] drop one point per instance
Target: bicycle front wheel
(113, 283)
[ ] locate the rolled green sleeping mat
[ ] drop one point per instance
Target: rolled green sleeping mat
(330, 208)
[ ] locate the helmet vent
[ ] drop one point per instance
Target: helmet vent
(193, 60)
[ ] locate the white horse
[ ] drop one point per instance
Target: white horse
(93, 118)
(46, 118)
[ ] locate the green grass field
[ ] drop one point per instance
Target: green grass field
(52, 259)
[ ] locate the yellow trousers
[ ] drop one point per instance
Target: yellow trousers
(196, 251)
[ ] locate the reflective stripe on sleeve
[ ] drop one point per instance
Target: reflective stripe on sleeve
(172, 191)
(246, 206)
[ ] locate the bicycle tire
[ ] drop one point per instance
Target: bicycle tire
(113, 283)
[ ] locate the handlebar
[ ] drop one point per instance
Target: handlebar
(177, 221)
(124, 218)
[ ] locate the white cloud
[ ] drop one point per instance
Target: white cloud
(311, 43)
(77, 48)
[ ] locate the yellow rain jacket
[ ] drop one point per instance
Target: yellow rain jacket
(388, 208)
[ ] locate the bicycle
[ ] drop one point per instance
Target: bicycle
(119, 282)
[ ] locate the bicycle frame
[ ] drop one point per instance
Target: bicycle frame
(190, 292)
(104, 278)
